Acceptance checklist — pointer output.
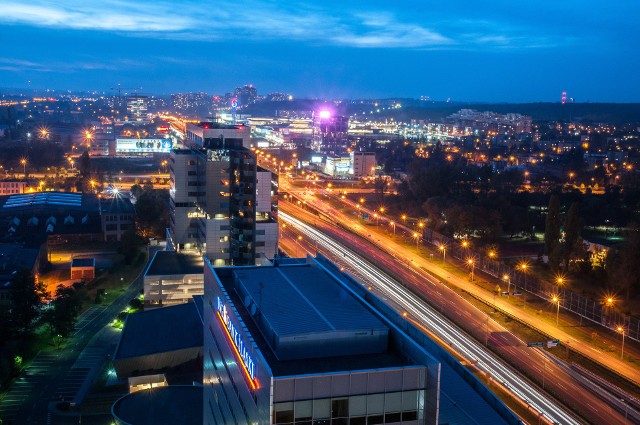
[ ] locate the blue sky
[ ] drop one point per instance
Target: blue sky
(492, 50)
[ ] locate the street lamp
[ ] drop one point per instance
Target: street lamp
(443, 248)
(507, 279)
(621, 330)
(556, 300)
(417, 236)
(524, 266)
(394, 227)
(23, 161)
(471, 263)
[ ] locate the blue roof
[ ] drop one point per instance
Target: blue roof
(299, 300)
(161, 330)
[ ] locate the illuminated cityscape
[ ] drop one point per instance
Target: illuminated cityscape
(319, 214)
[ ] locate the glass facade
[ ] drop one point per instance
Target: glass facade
(386, 408)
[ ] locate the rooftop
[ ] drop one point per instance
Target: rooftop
(161, 330)
(164, 405)
(117, 205)
(83, 262)
(165, 263)
(217, 125)
(335, 309)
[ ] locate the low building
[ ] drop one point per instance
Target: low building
(118, 215)
(83, 268)
(11, 187)
(15, 257)
(171, 405)
(173, 278)
(164, 340)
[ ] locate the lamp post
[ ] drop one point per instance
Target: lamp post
(417, 237)
(507, 279)
(471, 263)
(394, 227)
(23, 161)
(556, 300)
(621, 330)
(443, 248)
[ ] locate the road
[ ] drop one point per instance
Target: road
(530, 361)
(381, 236)
(51, 374)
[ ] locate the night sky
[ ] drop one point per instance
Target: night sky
(468, 50)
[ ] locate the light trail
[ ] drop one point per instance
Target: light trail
(463, 344)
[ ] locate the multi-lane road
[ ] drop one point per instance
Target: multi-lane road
(530, 361)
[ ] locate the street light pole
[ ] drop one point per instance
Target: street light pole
(621, 330)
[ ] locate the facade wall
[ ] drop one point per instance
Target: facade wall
(114, 225)
(362, 164)
(11, 187)
(228, 394)
(183, 220)
(165, 290)
(267, 239)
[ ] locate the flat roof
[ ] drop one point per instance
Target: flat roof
(179, 404)
(161, 330)
(299, 300)
(390, 358)
(117, 205)
(166, 263)
(83, 262)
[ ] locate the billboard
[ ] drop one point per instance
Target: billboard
(143, 145)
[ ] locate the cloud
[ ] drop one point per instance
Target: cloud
(256, 20)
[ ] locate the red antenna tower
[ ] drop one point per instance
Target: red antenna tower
(564, 97)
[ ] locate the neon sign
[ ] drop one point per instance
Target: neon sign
(248, 365)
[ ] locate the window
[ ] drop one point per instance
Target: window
(340, 408)
(283, 413)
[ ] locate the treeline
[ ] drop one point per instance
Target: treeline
(29, 311)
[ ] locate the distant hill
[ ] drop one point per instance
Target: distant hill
(413, 109)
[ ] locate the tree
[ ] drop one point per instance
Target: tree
(623, 264)
(129, 245)
(84, 166)
(63, 311)
(380, 185)
(26, 298)
(572, 232)
(552, 225)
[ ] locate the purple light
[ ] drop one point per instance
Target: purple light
(324, 114)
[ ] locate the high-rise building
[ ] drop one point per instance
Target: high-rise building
(137, 107)
(221, 203)
(363, 164)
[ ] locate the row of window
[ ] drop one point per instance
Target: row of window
(375, 406)
(115, 217)
(387, 418)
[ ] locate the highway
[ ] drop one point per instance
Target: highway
(380, 236)
(532, 361)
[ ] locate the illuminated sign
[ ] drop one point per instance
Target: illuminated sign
(144, 145)
(248, 365)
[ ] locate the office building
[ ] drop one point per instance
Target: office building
(137, 107)
(363, 164)
(222, 205)
(291, 343)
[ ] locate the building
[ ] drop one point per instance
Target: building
(162, 340)
(117, 216)
(363, 164)
(172, 278)
(137, 106)
(83, 268)
(10, 187)
(291, 343)
(15, 257)
(222, 204)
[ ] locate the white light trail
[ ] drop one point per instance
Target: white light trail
(440, 326)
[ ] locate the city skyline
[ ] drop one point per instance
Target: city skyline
(466, 52)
